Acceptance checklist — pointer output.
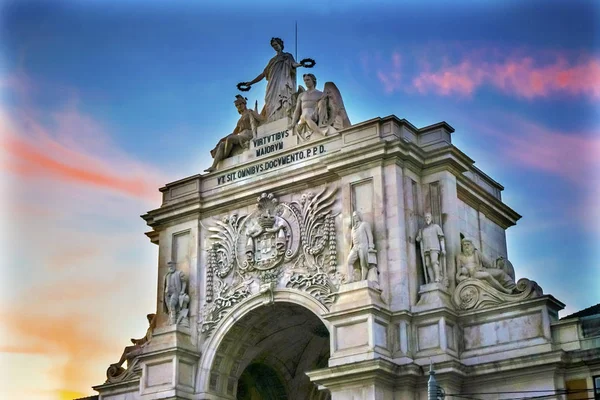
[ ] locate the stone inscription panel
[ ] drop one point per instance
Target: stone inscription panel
(503, 331)
(354, 335)
(266, 166)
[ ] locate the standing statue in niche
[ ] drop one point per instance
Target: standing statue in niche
(280, 74)
(431, 238)
(363, 251)
(318, 112)
(176, 299)
(241, 136)
(469, 264)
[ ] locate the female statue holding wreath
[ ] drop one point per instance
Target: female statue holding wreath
(280, 73)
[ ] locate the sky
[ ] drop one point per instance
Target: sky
(103, 102)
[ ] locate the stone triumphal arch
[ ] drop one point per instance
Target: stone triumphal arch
(265, 346)
(322, 259)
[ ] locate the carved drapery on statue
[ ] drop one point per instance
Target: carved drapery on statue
(277, 245)
(433, 252)
(481, 286)
(176, 299)
(318, 112)
(244, 131)
(362, 260)
(280, 74)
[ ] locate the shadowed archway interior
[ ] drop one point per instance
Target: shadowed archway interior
(266, 354)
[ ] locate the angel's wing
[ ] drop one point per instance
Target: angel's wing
(338, 110)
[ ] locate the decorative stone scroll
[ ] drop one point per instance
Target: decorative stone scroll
(472, 294)
(277, 245)
(227, 297)
(483, 286)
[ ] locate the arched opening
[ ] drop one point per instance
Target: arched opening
(266, 354)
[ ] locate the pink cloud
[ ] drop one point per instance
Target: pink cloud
(574, 156)
(456, 69)
(74, 239)
(460, 79)
(518, 76)
(73, 148)
(391, 78)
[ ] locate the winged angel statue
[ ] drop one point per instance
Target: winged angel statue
(279, 244)
(318, 112)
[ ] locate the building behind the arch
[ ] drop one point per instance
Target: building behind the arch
(305, 267)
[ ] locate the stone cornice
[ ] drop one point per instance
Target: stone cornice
(479, 199)
(371, 370)
(377, 142)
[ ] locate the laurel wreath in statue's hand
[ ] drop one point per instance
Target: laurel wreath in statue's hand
(243, 86)
(308, 62)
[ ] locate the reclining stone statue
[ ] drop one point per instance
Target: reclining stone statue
(469, 264)
(481, 285)
(130, 353)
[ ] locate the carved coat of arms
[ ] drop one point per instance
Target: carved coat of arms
(268, 235)
(280, 244)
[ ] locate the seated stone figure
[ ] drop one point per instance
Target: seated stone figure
(131, 352)
(244, 131)
(469, 264)
(318, 112)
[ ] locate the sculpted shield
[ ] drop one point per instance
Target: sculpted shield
(270, 235)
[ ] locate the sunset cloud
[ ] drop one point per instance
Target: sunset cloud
(73, 148)
(73, 243)
(459, 70)
(391, 78)
(520, 77)
(574, 156)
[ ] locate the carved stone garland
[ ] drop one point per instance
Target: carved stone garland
(293, 244)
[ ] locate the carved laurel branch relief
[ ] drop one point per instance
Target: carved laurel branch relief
(279, 244)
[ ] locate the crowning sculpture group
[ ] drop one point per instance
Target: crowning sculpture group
(310, 110)
(303, 232)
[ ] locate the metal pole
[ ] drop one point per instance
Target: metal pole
(434, 392)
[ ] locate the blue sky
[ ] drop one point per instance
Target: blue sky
(103, 102)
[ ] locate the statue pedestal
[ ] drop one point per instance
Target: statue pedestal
(360, 324)
(169, 364)
(433, 296)
(270, 137)
(361, 345)
(168, 367)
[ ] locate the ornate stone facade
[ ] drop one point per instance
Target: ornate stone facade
(334, 264)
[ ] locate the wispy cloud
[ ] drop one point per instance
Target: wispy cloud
(391, 77)
(574, 156)
(75, 242)
(73, 148)
(521, 77)
(571, 157)
(459, 70)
